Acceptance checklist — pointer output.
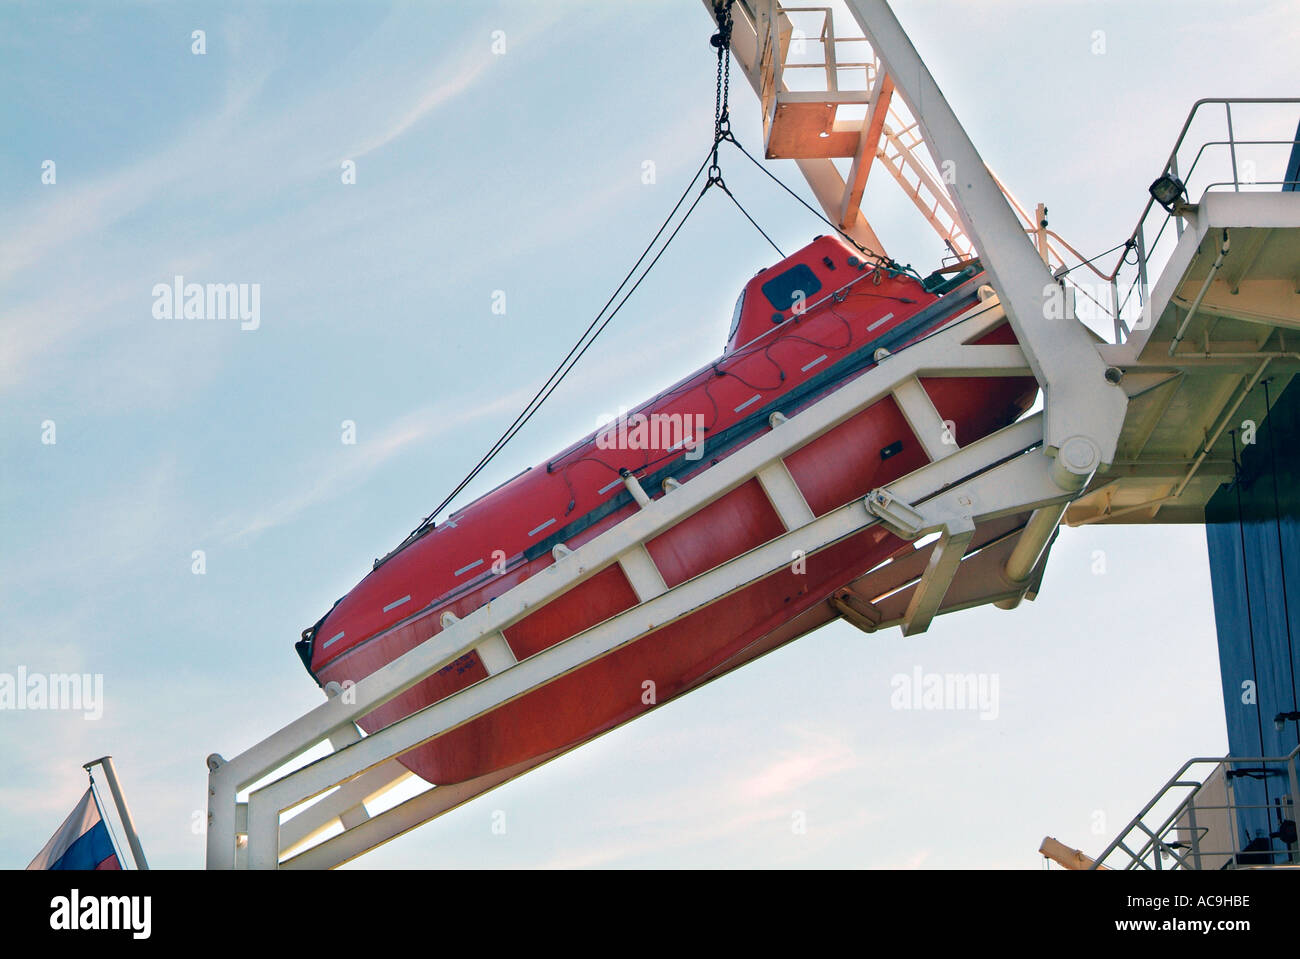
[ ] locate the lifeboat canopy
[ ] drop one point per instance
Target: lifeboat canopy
(783, 291)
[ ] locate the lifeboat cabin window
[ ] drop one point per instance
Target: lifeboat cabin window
(784, 289)
(735, 317)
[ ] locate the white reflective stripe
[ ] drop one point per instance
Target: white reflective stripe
(749, 402)
(330, 642)
(466, 569)
(884, 319)
(534, 532)
(805, 369)
(608, 486)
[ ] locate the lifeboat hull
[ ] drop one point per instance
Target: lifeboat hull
(506, 537)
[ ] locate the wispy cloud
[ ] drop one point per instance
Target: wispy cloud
(755, 799)
(93, 538)
(361, 462)
(794, 771)
(73, 211)
(55, 232)
(448, 84)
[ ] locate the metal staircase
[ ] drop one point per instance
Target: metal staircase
(1193, 822)
(825, 96)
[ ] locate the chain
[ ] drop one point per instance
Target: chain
(722, 133)
(721, 110)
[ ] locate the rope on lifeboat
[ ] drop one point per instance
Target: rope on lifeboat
(721, 41)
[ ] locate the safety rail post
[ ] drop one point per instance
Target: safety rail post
(1144, 290)
(1120, 328)
(829, 53)
(1232, 147)
(1173, 782)
(1295, 799)
(1193, 831)
(1188, 805)
(1173, 170)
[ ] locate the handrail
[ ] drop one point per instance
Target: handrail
(1109, 289)
(1155, 843)
(1137, 239)
(1192, 168)
(1171, 165)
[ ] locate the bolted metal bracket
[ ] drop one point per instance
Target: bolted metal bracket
(901, 518)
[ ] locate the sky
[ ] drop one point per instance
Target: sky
(177, 502)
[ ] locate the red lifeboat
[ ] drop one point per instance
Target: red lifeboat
(802, 330)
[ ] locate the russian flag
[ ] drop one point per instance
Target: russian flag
(82, 842)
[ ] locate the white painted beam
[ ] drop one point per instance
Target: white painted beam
(1006, 488)
(784, 494)
(405, 816)
(933, 353)
(931, 431)
(641, 571)
(319, 817)
(938, 575)
(495, 653)
(1079, 401)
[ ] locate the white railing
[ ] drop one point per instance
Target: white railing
(1171, 831)
(1210, 154)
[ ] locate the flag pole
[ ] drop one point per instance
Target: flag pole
(123, 813)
